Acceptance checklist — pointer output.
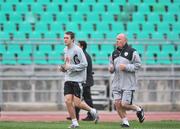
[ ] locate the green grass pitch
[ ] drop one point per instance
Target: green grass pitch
(89, 125)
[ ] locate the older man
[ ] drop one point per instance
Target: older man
(124, 64)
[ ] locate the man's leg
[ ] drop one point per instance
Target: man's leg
(88, 99)
(70, 108)
(117, 95)
(127, 104)
(83, 105)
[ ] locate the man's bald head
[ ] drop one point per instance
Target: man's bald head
(121, 40)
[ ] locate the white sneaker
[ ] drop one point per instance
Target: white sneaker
(95, 115)
(73, 126)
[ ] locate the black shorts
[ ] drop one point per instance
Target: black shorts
(72, 88)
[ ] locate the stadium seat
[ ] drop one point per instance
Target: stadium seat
(101, 58)
(168, 48)
(39, 58)
(143, 8)
(102, 27)
(148, 27)
(93, 17)
(72, 26)
(24, 58)
(153, 48)
(163, 58)
(97, 35)
(138, 17)
(2, 48)
(55, 58)
(14, 48)
(8, 58)
(94, 48)
(149, 59)
(28, 48)
(153, 17)
(45, 48)
(68, 8)
(157, 35)
(59, 48)
(107, 48)
(176, 58)
(133, 26)
(117, 27)
(21, 7)
(163, 27)
(140, 48)
(173, 36)
(97, 8)
(84, 6)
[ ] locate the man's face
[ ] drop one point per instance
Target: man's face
(67, 40)
(120, 41)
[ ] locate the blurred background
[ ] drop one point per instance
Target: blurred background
(31, 48)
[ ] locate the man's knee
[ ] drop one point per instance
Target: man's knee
(68, 100)
(117, 103)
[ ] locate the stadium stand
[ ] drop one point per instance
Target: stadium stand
(91, 19)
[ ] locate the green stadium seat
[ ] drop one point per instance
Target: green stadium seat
(39, 58)
(140, 48)
(84, 6)
(68, 8)
(55, 58)
(12, 1)
(119, 2)
(62, 17)
(59, 1)
(4, 35)
(21, 8)
(41, 27)
(102, 27)
(158, 8)
(153, 48)
(157, 36)
(8, 58)
(97, 35)
(19, 35)
(53, 8)
(163, 27)
(74, 2)
(14, 48)
(87, 27)
(47, 18)
(24, 58)
(81, 35)
(133, 26)
(7, 8)
(35, 35)
(176, 1)
(107, 17)
(36, 8)
(3, 17)
(107, 48)
(176, 27)
(110, 35)
(28, 48)
(153, 17)
(98, 8)
(148, 27)
(143, 35)
(134, 1)
(163, 58)
(25, 27)
(89, 1)
(173, 36)
(56, 27)
(94, 48)
(176, 58)
(173, 8)
(149, 1)
(143, 8)
(72, 27)
(16, 17)
(168, 48)
(59, 48)
(138, 17)
(77, 17)
(168, 17)
(149, 59)
(113, 8)
(164, 1)
(101, 58)
(2, 48)
(93, 17)
(117, 27)
(9, 27)
(45, 48)
(51, 35)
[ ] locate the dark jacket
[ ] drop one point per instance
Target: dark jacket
(89, 79)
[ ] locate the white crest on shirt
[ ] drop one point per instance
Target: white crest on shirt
(126, 53)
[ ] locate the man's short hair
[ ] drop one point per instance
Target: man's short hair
(72, 35)
(83, 44)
